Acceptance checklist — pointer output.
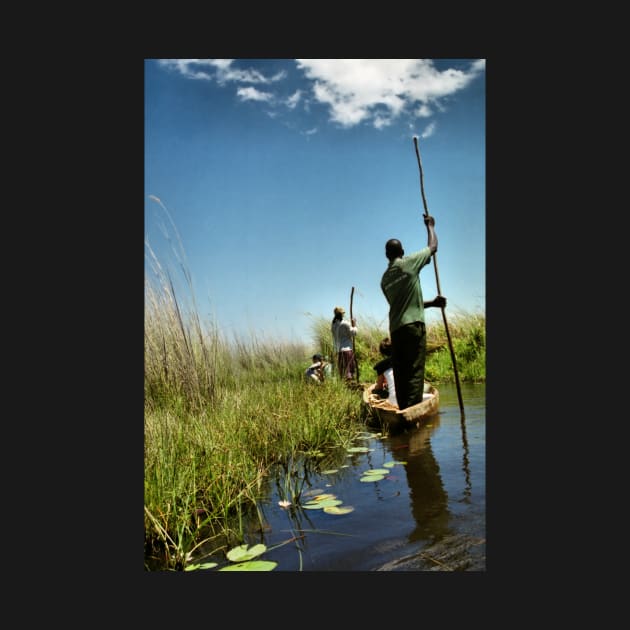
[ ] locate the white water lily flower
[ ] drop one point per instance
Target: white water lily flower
(284, 504)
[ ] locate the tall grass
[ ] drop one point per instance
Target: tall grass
(202, 468)
(218, 416)
(468, 336)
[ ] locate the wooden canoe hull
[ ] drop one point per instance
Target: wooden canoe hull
(391, 418)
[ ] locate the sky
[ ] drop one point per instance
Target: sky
(275, 184)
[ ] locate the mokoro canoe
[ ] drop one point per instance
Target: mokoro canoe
(393, 419)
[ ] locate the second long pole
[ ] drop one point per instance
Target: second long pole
(354, 352)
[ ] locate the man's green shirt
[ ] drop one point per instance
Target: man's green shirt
(401, 286)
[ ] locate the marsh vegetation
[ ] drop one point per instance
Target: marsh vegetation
(220, 415)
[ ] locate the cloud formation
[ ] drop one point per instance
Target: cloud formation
(429, 130)
(379, 90)
(369, 91)
(252, 94)
(222, 71)
(294, 99)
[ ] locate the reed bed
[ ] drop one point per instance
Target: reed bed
(218, 415)
(468, 335)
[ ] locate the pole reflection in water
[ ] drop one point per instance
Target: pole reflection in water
(466, 463)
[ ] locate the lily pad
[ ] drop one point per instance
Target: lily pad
(376, 471)
(242, 553)
(333, 509)
(358, 449)
(318, 505)
(310, 493)
(330, 472)
(256, 565)
(392, 464)
(322, 497)
(205, 565)
(314, 453)
(372, 478)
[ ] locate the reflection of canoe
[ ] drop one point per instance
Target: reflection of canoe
(392, 418)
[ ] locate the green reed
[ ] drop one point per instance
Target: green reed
(468, 335)
(218, 415)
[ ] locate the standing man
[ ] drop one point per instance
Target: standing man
(343, 331)
(407, 331)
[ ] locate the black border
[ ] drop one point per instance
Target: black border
(105, 261)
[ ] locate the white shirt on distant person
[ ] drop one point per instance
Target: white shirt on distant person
(391, 386)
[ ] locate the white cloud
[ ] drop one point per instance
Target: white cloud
(294, 99)
(223, 71)
(428, 130)
(380, 122)
(358, 90)
(183, 66)
(278, 76)
(423, 111)
(371, 91)
(252, 94)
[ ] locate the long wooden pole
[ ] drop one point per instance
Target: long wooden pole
(437, 281)
(354, 353)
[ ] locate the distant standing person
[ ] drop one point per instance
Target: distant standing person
(401, 286)
(343, 332)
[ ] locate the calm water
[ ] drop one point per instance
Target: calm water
(426, 514)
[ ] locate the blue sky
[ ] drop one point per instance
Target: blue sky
(283, 178)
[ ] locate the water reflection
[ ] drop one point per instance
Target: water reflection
(429, 500)
(422, 516)
(465, 462)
